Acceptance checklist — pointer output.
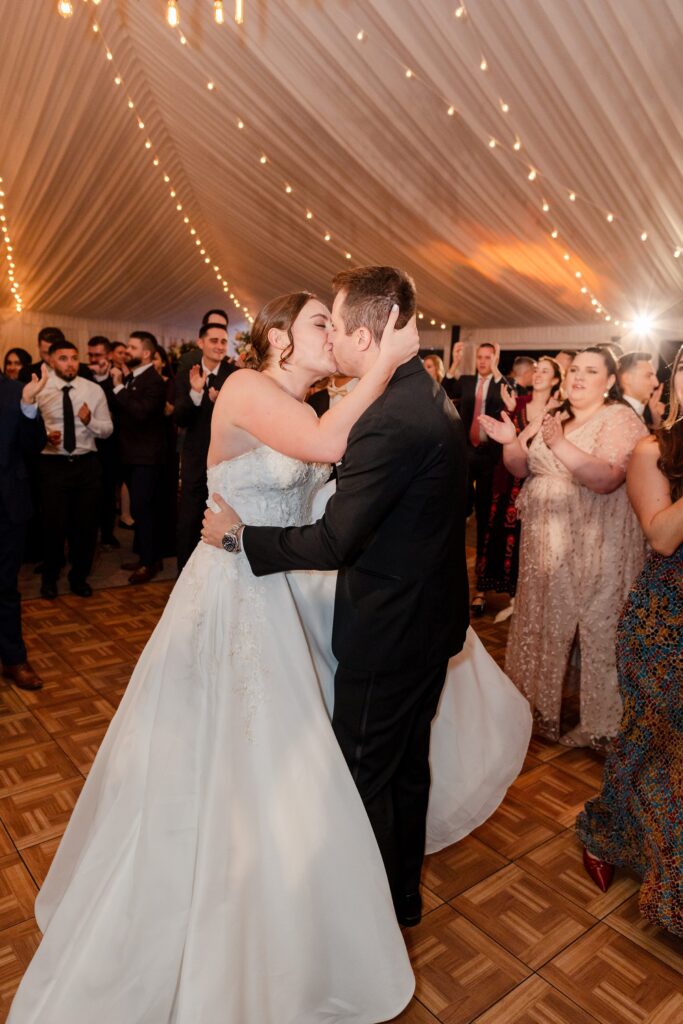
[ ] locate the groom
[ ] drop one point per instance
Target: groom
(395, 531)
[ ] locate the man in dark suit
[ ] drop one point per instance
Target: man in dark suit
(141, 400)
(47, 336)
(99, 361)
(197, 388)
(22, 435)
(395, 531)
(477, 394)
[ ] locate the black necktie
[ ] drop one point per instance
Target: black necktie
(69, 434)
(210, 381)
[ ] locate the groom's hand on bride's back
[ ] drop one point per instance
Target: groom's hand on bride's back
(217, 524)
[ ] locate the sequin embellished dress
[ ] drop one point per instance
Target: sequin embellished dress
(637, 820)
(219, 866)
(579, 555)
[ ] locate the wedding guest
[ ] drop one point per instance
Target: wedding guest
(99, 361)
(522, 374)
(22, 434)
(581, 547)
(17, 365)
(326, 397)
(640, 386)
(216, 316)
(117, 354)
(498, 564)
(197, 389)
(171, 470)
(637, 819)
(141, 402)
(47, 336)
(433, 364)
(76, 414)
(476, 395)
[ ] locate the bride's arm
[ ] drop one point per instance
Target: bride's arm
(256, 404)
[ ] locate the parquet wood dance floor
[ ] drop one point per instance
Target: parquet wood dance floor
(513, 932)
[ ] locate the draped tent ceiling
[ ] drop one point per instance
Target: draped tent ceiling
(594, 92)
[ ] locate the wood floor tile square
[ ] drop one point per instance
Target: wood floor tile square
(17, 892)
(628, 920)
(110, 678)
(6, 844)
(415, 1013)
(553, 793)
(81, 746)
(38, 858)
(545, 750)
(530, 762)
(38, 814)
(535, 1002)
(41, 765)
(617, 981)
(86, 713)
(524, 915)
(515, 828)
(586, 763)
(459, 867)
(17, 946)
(559, 864)
(21, 730)
(460, 971)
(85, 656)
(430, 901)
(10, 701)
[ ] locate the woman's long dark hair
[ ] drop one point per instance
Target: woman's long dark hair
(25, 360)
(670, 438)
(614, 394)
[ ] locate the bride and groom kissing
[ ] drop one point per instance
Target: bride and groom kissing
(219, 865)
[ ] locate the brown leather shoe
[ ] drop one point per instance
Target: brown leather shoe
(144, 574)
(22, 676)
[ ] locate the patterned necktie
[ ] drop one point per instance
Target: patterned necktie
(69, 433)
(475, 428)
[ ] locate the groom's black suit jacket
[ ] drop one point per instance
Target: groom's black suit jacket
(395, 529)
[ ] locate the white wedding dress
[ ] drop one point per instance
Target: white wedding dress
(219, 867)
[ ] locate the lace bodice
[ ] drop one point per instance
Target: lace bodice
(267, 488)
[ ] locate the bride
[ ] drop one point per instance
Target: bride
(219, 865)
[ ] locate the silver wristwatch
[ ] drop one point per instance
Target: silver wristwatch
(231, 539)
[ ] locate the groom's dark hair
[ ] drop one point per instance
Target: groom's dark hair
(370, 292)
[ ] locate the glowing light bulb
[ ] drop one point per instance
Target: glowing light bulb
(578, 274)
(420, 316)
(172, 13)
(179, 207)
(517, 145)
(166, 178)
(347, 255)
(183, 41)
(608, 317)
(210, 86)
(218, 12)
(677, 253)
(642, 324)
(450, 111)
(432, 323)
(240, 125)
(65, 8)
(504, 106)
(155, 161)
(609, 218)
(459, 11)
(565, 256)
(546, 206)
(110, 55)
(148, 144)
(554, 233)
(186, 220)
(239, 11)
(328, 237)
(443, 327)
(531, 175)
(360, 36)
(117, 80)
(141, 125)
(288, 189)
(309, 215)
(483, 64)
(131, 105)
(584, 290)
(263, 159)
(492, 143)
(572, 197)
(96, 28)
(643, 237)
(409, 73)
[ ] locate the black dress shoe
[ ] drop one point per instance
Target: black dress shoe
(48, 591)
(408, 909)
(81, 589)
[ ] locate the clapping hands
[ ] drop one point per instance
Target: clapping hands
(503, 430)
(552, 429)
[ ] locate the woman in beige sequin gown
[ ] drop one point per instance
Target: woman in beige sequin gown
(581, 548)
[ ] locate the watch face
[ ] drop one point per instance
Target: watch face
(230, 542)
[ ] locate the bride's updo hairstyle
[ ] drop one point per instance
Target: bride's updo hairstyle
(281, 314)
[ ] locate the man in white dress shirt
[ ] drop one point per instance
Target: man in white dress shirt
(640, 386)
(75, 412)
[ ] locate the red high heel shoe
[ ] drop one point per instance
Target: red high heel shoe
(600, 871)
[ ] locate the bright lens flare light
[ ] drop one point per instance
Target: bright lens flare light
(642, 324)
(65, 8)
(172, 15)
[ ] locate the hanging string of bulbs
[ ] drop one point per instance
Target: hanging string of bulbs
(165, 178)
(66, 9)
(307, 212)
(9, 253)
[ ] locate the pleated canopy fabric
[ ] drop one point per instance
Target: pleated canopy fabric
(346, 102)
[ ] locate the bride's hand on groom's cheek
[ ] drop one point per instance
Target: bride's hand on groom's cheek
(217, 524)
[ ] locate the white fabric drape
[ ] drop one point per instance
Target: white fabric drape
(594, 91)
